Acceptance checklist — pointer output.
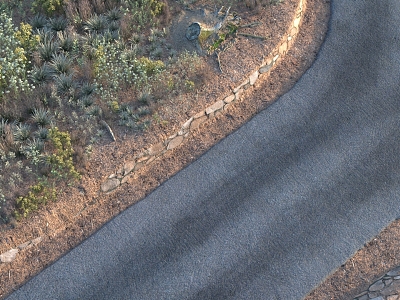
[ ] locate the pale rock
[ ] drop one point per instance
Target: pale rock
(175, 142)
(110, 185)
(8, 256)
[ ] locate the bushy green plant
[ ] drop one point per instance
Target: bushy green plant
(41, 116)
(60, 160)
(41, 75)
(49, 7)
(96, 24)
(144, 11)
(58, 24)
(66, 42)
(47, 50)
(38, 22)
(13, 60)
(39, 194)
(26, 38)
(22, 132)
(61, 64)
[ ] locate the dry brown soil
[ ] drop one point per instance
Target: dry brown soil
(82, 209)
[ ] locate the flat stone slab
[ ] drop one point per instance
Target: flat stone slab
(175, 142)
(215, 107)
(110, 185)
(8, 256)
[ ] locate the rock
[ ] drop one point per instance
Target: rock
(156, 149)
(128, 167)
(175, 142)
(199, 115)
(238, 94)
(387, 281)
(197, 122)
(293, 31)
(393, 297)
(391, 289)
(193, 31)
(125, 179)
(215, 107)
(394, 272)
(376, 286)
(8, 256)
(363, 297)
(186, 125)
(25, 245)
(253, 78)
(296, 22)
(283, 48)
(229, 99)
(110, 185)
(266, 68)
(361, 294)
(142, 159)
(240, 86)
(36, 241)
(378, 298)
(138, 166)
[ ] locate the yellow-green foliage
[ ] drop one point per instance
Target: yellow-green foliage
(156, 7)
(60, 159)
(27, 40)
(39, 194)
(150, 67)
(114, 106)
(49, 7)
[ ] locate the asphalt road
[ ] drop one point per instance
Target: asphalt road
(275, 207)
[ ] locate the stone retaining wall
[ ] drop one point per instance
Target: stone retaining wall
(135, 163)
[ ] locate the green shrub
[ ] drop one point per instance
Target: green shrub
(39, 194)
(48, 7)
(27, 40)
(60, 160)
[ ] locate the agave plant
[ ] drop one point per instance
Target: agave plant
(58, 24)
(3, 126)
(38, 22)
(61, 64)
(41, 116)
(41, 75)
(47, 49)
(66, 42)
(96, 24)
(143, 111)
(42, 133)
(64, 83)
(22, 132)
(113, 26)
(114, 15)
(145, 98)
(87, 89)
(86, 101)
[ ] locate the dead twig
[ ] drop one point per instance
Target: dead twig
(250, 25)
(104, 123)
(219, 62)
(252, 36)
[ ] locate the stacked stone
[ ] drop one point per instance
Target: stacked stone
(122, 175)
(386, 287)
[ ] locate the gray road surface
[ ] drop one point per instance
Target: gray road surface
(274, 208)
